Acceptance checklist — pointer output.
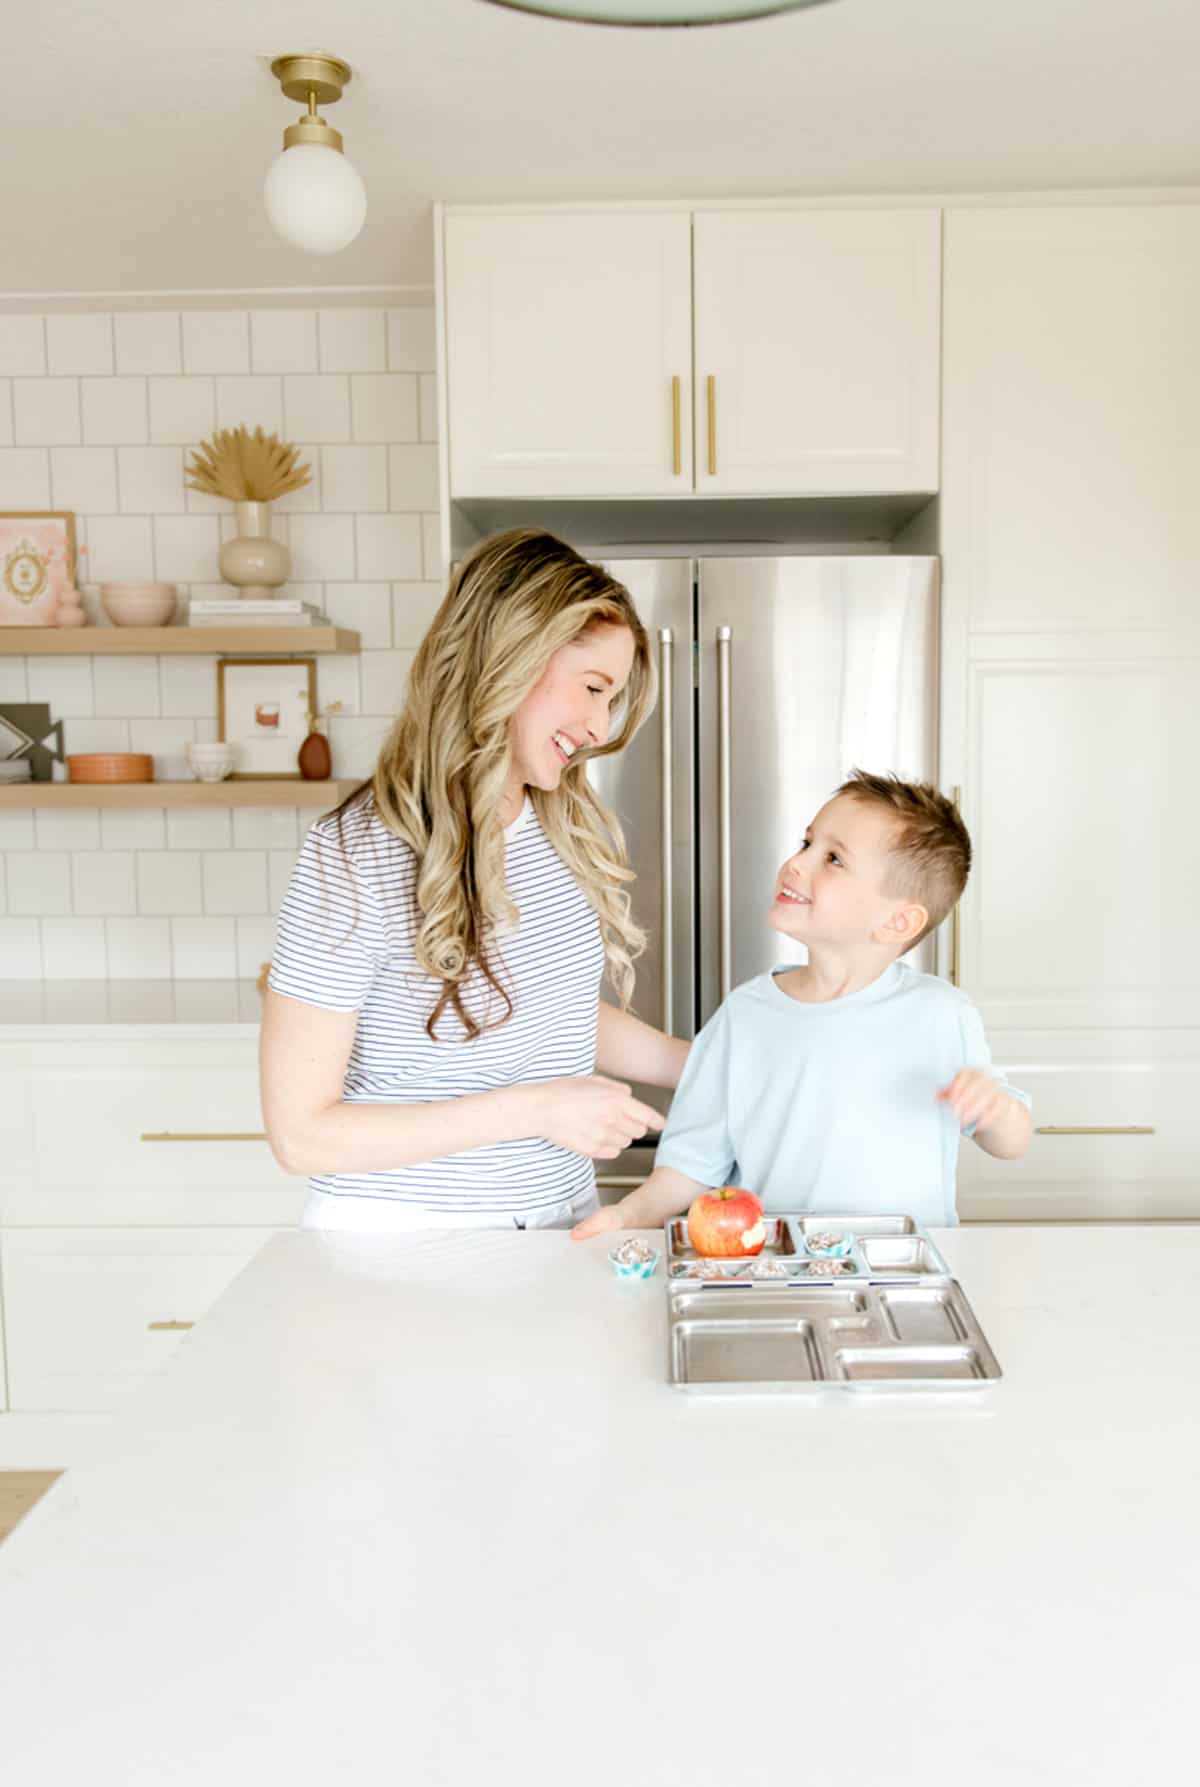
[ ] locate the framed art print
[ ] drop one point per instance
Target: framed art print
(264, 708)
(37, 563)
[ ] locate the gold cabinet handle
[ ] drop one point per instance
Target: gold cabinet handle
(676, 433)
(168, 1327)
(1095, 1129)
(712, 426)
(234, 1135)
(955, 932)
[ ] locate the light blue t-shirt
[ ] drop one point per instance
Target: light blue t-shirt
(830, 1106)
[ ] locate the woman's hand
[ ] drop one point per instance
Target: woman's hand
(592, 1115)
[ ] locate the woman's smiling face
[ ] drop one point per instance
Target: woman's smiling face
(571, 704)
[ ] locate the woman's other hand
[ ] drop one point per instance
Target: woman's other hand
(592, 1115)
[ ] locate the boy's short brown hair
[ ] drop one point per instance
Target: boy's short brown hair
(930, 847)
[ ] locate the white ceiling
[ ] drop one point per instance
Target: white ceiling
(138, 132)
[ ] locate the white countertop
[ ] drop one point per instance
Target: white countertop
(428, 1511)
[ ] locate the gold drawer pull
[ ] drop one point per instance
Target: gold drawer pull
(1095, 1129)
(167, 1135)
(168, 1327)
(676, 433)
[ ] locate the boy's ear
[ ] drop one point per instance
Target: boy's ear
(904, 926)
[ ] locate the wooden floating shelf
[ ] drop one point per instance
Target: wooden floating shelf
(77, 642)
(321, 795)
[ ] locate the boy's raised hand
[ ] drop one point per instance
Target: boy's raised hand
(975, 1098)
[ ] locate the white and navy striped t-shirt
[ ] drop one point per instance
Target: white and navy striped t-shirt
(345, 941)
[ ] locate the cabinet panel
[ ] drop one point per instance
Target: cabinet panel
(821, 332)
(563, 334)
(1076, 795)
(1072, 384)
(79, 1306)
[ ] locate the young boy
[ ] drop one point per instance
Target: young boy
(843, 1085)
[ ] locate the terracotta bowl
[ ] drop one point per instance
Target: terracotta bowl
(110, 766)
(139, 604)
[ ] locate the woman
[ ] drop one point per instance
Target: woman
(433, 1028)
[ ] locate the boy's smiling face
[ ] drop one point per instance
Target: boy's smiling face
(832, 891)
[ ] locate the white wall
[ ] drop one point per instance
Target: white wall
(97, 413)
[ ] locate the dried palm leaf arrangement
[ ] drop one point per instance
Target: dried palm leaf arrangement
(245, 467)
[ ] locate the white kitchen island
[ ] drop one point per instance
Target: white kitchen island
(427, 1511)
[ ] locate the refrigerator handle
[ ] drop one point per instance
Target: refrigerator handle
(724, 779)
(666, 918)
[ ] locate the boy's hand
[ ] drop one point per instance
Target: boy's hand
(975, 1098)
(599, 1223)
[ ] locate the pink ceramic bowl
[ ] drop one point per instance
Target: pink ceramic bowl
(139, 604)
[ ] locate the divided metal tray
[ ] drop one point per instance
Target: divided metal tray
(895, 1319)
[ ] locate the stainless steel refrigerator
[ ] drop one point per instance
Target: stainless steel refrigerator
(777, 676)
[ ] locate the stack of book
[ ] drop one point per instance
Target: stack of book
(239, 611)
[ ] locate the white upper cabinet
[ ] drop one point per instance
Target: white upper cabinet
(565, 334)
(572, 371)
(817, 350)
(1072, 389)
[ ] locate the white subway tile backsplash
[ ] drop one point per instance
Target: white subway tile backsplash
(316, 407)
(13, 684)
(283, 340)
(74, 949)
(389, 547)
(413, 477)
(255, 942)
(264, 828)
(186, 547)
(412, 339)
(165, 740)
(45, 412)
(133, 828)
(102, 882)
(120, 548)
(431, 548)
(384, 676)
(322, 546)
(127, 687)
(17, 831)
(68, 828)
(337, 681)
(20, 949)
(181, 410)
(384, 406)
(351, 340)
(216, 341)
(66, 683)
(84, 479)
(235, 881)
(23, 345)
(250, 403)
(413, 608)
(108, 734)
(204, 948)
(198, 828)
(429, 407)
(114, 412)
(150, 480)
(366, 607)
(356, 479)
(25, 478)
(356, 742)
(148, 341)
(39, 881)
(188, 687)
(138, 948)
(168, 881)
(280, 864)
(79, 343)
(308, 499)
(6, 412)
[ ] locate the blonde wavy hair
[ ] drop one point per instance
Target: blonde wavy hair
(512, 603)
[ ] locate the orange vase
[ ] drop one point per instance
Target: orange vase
(314, 759)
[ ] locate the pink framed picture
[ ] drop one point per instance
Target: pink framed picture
(37, 564)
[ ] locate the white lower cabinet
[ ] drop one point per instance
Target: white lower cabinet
(89, 1313)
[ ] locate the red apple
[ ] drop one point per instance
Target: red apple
(726, 1224)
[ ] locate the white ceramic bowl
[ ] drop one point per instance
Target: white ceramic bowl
(210, 762)
(139, 604)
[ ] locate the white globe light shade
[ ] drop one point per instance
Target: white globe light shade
(315, 198)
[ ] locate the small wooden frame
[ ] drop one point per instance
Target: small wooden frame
(265, 708)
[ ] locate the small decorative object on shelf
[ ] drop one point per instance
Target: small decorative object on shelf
(37, 566)
(26, 730)
(316, 759)
(250, 470)
(275, 611)
(110, 766)
(210, 762)
(139, 604)
(263, 707)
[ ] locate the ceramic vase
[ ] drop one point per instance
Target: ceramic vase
(315, 761)
(252, 561)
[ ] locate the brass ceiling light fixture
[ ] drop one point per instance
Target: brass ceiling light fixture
(314, 196)
(656, 12)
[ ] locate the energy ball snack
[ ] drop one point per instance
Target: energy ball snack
(633, 1258)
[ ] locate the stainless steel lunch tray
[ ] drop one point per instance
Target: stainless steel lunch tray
(896, 1321)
